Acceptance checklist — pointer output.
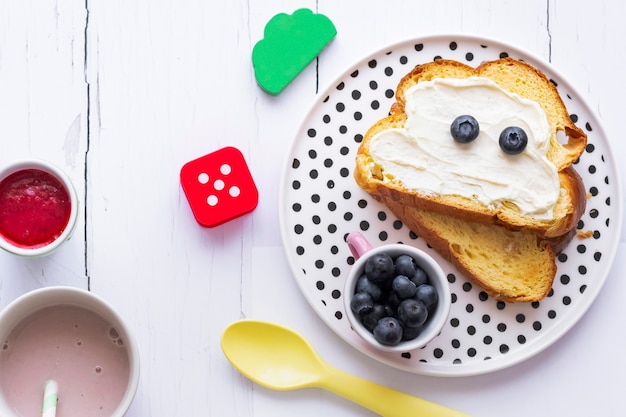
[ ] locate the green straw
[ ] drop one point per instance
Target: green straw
(50, 398)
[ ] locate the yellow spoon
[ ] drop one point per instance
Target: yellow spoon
(278, 358)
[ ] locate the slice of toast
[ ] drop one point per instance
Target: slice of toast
(512, 266)
(515, 77)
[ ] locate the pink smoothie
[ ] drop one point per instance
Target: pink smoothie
(75, 347)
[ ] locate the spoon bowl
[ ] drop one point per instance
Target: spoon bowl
(279, 358)
(271, 356)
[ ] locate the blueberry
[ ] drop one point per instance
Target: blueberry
(513, 140)
(392, 300)
(420, 277)
(427, 294)
(403, 287)
(464, 129)
(410, 333)
(388, 331)
(361, 303)
(389, 310)
(386, 299)
(405, 265)
(370, 319)
(363, 284)
(379, 268)
(412, 312)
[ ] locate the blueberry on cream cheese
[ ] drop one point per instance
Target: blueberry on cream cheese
(513, 140)
(464, 129)
(420, 155)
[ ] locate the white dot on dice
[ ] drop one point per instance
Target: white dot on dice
(203, 178)
(225, 169)
(211, 200)
(234, 191)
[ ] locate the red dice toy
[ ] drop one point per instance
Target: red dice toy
(219, 187)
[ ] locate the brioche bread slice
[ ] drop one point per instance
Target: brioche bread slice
(512, 266)
(516, 77)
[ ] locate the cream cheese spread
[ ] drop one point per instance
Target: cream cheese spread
(424, 157)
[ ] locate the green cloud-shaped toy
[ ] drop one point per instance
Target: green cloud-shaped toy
(290, 43)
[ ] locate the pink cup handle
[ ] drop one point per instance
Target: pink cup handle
(358, 244)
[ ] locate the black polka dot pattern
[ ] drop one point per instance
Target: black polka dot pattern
(321, 204)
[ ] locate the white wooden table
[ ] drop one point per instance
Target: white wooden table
(122, 93)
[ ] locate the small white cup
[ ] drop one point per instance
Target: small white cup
(362, 250)
(36, 300)
(54, 171)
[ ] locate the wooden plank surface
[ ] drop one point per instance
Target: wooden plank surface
(121, 94)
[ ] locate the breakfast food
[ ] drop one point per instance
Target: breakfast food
(35, 208)
(510, 265)
(79, 348)
(471, 160)
(411, 155)
(393, 298)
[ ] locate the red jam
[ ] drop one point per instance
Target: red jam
(34, 208)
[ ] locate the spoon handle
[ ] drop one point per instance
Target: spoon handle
(382, 400)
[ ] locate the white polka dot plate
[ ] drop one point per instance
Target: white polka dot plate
(320, 204)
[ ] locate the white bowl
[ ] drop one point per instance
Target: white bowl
(362, 251)
(36, 300)
(56, 172)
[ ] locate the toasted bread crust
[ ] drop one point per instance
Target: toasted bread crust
(519, 78)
